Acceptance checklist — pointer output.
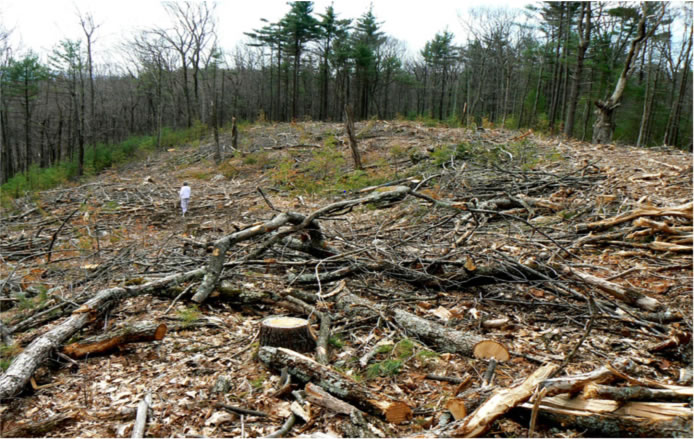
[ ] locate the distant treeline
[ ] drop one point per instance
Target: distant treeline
(600, 71)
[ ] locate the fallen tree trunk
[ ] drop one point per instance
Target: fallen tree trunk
(141, 419)
(40, 428)
(24, 365)
(576, 383)
(300, 222)
(483, 275)
(635, 393)
(221, 246)
(306, 369)
(316, 395)
(607, 418)
(441, 338)
(626, 295)
(105, 343)
(683, 210)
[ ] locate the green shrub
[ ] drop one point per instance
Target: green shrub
(443, 154)
(384, 369)
(336, 341)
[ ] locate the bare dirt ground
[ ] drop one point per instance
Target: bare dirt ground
(124, 227)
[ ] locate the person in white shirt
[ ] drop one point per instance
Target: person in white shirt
(184, 193)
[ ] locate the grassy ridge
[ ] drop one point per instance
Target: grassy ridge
(96, 159)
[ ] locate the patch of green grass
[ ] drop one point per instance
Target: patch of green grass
(201, 175)
(189, 315)
(398, 152)
(111, 206)
(258, 382)
(443, 154)
(385, 348)
(259, 159)
(24, 302)
(336, 341)
(228, 169)
(427, 355)
(7, 354)
(330, 140)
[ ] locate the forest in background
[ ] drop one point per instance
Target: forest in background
(600, 71)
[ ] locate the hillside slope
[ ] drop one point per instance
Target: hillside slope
(495, 235)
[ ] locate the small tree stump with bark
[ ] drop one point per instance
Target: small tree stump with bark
(287, 332)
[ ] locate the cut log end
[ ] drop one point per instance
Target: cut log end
(160, 332)
(395, 412)
(287, 332)
(457, 408)
(490, 349)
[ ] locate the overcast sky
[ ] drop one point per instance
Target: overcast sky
(40, 24)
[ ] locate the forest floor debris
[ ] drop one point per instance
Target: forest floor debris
(566, 253)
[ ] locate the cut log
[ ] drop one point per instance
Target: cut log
(24, 365)
(457, 408)
(287, 332)
(625, 294)
(603, 417)
(443, 339)
(492, 351)
(501, 402)
(141, 418)
(635, 393)
(575, 383)
(105, 343)
(683, 210)
(306, 369)
(318, 396)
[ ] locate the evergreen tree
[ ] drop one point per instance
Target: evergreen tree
(299, 27)
(367, 39)
(330, 29)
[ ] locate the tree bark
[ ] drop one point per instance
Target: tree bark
(607, 418)
(24, 365)
(441, 338)
(141, 332)
(349, 127)
(287, 332)
(603, 128)
(305, 369)
(501, 401)
(584, 29)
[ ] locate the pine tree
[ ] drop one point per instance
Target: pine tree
(299, 27)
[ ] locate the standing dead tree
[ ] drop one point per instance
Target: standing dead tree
(604, 125)
(349, 127)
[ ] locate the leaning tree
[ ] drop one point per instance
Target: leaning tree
(604, 125)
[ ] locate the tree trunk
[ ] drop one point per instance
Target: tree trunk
(645, 115)
(305, 369)
(287, 332)
(556, 76)
(105, 343)
(604, 126)
(26, 363)
(349, 125)
(584, 41)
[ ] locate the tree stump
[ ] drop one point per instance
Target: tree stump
(287, 332)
